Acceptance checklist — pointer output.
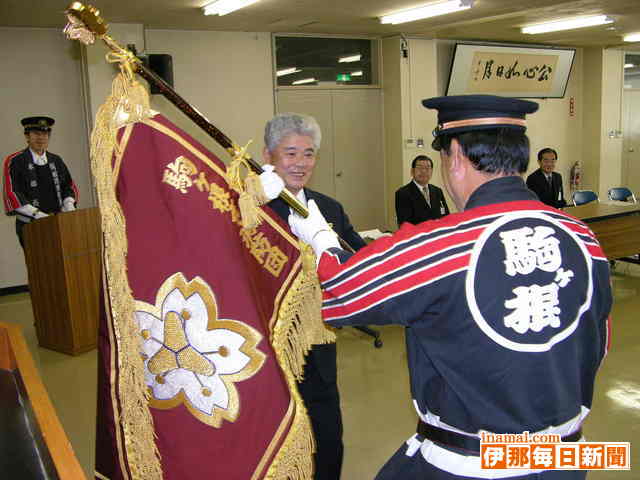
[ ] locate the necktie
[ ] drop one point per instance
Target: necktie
(425, 193)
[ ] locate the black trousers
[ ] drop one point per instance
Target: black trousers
(319, 391)
(19, 231)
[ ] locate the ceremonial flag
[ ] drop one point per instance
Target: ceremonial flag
(206, 322)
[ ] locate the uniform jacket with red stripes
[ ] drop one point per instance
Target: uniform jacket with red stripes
(19, 189)
(505, 305)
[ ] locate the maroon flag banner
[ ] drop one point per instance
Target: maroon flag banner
(204, 330)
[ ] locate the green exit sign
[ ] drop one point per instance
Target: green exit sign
(343, 77)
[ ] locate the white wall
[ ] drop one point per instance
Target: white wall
(552, 125)
(407, 80)
(392, 112)
(40, 76)
(227, 76)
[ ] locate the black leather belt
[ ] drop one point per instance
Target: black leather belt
(465, 442)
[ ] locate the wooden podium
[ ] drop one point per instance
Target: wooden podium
(63, 255)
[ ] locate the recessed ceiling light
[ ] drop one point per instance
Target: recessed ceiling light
(356, 74)
(629, 65)
(567, 24)
(632, 37)
(350, 58)
(287, 71)
(222, 7)
(304, 80)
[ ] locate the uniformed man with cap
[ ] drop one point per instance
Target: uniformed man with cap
(37, 183)
(505, 303)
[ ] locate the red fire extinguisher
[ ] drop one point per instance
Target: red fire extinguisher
(574, 181)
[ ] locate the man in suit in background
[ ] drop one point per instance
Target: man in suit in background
(291, 144)
(37, 183)
(418, 201)
(546, 183)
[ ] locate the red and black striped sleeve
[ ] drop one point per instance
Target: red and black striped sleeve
(373, 286)
(14, 179)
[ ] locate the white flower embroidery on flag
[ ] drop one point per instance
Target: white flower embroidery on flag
(190, 355)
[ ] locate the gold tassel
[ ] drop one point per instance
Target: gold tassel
(249, 211)
(249, 189)
(308, 258)
(254, 188)
(128, 103)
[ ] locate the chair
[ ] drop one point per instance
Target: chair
(580, 197)
(621, 194)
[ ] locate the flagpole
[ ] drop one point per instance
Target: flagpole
(90, 17)
(85, 23)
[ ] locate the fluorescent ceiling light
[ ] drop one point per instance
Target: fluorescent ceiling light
(222, 7)
(632, 37)
(568, 24)
(350, 58)
(287, 71)
(628, 65)
(426, 11)
(304, 80)
(356, 74)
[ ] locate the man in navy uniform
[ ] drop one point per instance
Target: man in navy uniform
(546, 183)
(291, 144)
(418, 200)
(36, 183)
(505, 303)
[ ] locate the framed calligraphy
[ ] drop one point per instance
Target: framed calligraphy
(510, 71)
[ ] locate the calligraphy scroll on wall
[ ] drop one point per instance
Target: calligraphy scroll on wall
(495, 72)
(510, 71)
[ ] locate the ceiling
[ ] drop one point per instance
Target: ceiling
(488, 20)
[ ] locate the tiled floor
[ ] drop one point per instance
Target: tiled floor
(377, 410)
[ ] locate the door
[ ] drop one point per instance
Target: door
(318, 105)
(631, 141)
(350, 167)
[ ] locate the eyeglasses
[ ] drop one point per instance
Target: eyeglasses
(421, 167)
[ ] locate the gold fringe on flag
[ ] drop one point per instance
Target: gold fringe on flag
(299, 326)
(128, 103)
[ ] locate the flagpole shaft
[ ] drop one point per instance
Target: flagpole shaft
(224, 141)
(85, 24)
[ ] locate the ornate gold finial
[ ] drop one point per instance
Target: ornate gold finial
(89, 16)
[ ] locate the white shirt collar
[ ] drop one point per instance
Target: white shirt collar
(39, 160)
(420, 186)
(302, 197)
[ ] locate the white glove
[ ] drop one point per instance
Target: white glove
(29, 210)
(271, 182)
(314, 230)
(69, 204)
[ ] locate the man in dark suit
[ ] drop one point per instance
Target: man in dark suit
(546, 183)
(418, 201)
(37, 183)
(291, 144)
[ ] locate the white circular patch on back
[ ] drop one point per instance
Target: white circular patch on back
(529, 281)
